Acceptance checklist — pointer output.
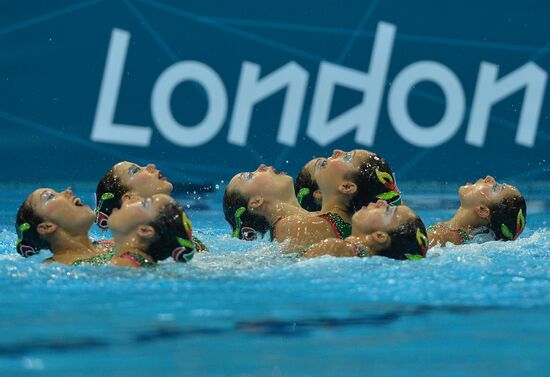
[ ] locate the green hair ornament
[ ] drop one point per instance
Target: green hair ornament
(393, 197)
(238, 213)
(24, 250)
(301, 194)
(185, 252)
(104, 197)
(520, 225)
(422, 242)
(187, 225)
(20, 231)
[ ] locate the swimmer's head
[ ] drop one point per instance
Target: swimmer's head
(127, 177)
(158, 222)
(254, 191)
(362, 176)
(306, 187)
(45, 214)
(390, 231)
(498, 206)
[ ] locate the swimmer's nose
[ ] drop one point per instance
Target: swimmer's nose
(381, 203)
(337, 153)
(151, 167)
(68, 192)
(489, 179)
(262, 167)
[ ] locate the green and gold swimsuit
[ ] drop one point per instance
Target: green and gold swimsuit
(340, 228)
(98, 260)
(137, 259)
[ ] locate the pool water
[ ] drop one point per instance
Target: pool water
(244, 309)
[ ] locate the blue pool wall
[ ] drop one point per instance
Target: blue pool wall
(286, 81)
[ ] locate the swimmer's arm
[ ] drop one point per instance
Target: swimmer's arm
(331, 246)
(299, 232)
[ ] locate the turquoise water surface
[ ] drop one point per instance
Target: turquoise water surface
(246, 310)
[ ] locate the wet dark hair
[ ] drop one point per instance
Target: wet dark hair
(404, 240)
(305, 180)
(32, 241)
(506, 213)
(368, 183)
(168, 226)
(110, 183)
(234, 200)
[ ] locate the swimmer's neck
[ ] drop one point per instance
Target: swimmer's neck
(335, 204)
(65, 243)
(464, 219)
(284, 209)
(129, 243)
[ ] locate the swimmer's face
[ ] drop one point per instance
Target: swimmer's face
(142, 180)
(330, 172)
(62, 208)
(380, 217)
(136, 210)
(310, 167)
(485, 191)
(265, 181)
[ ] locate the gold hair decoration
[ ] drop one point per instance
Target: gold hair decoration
(520, 226)
(422, 241)
(389, 182)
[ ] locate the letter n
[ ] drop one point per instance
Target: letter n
(490, 90)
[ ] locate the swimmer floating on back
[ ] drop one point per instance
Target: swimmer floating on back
(128, 179)
(263, 201)
(379, 229)
(147, 230)
(488, 211)
(58, 221)
(350, 180)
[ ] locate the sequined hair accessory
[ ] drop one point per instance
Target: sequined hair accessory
(244, 232)
(23, 249)
(101, 217)
(393, 196)
(520, 226)
(185, 252)
(301, 194)
(423, 243)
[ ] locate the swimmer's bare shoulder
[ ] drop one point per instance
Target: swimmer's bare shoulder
(331, 246)
(439, 235)
(300, 231)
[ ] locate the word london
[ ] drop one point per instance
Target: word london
(362, 118)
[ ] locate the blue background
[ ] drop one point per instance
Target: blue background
(53, 57)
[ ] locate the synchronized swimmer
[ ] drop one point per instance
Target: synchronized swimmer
(345, 205)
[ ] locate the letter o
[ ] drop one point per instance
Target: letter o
(168, 126)
(400, 89)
